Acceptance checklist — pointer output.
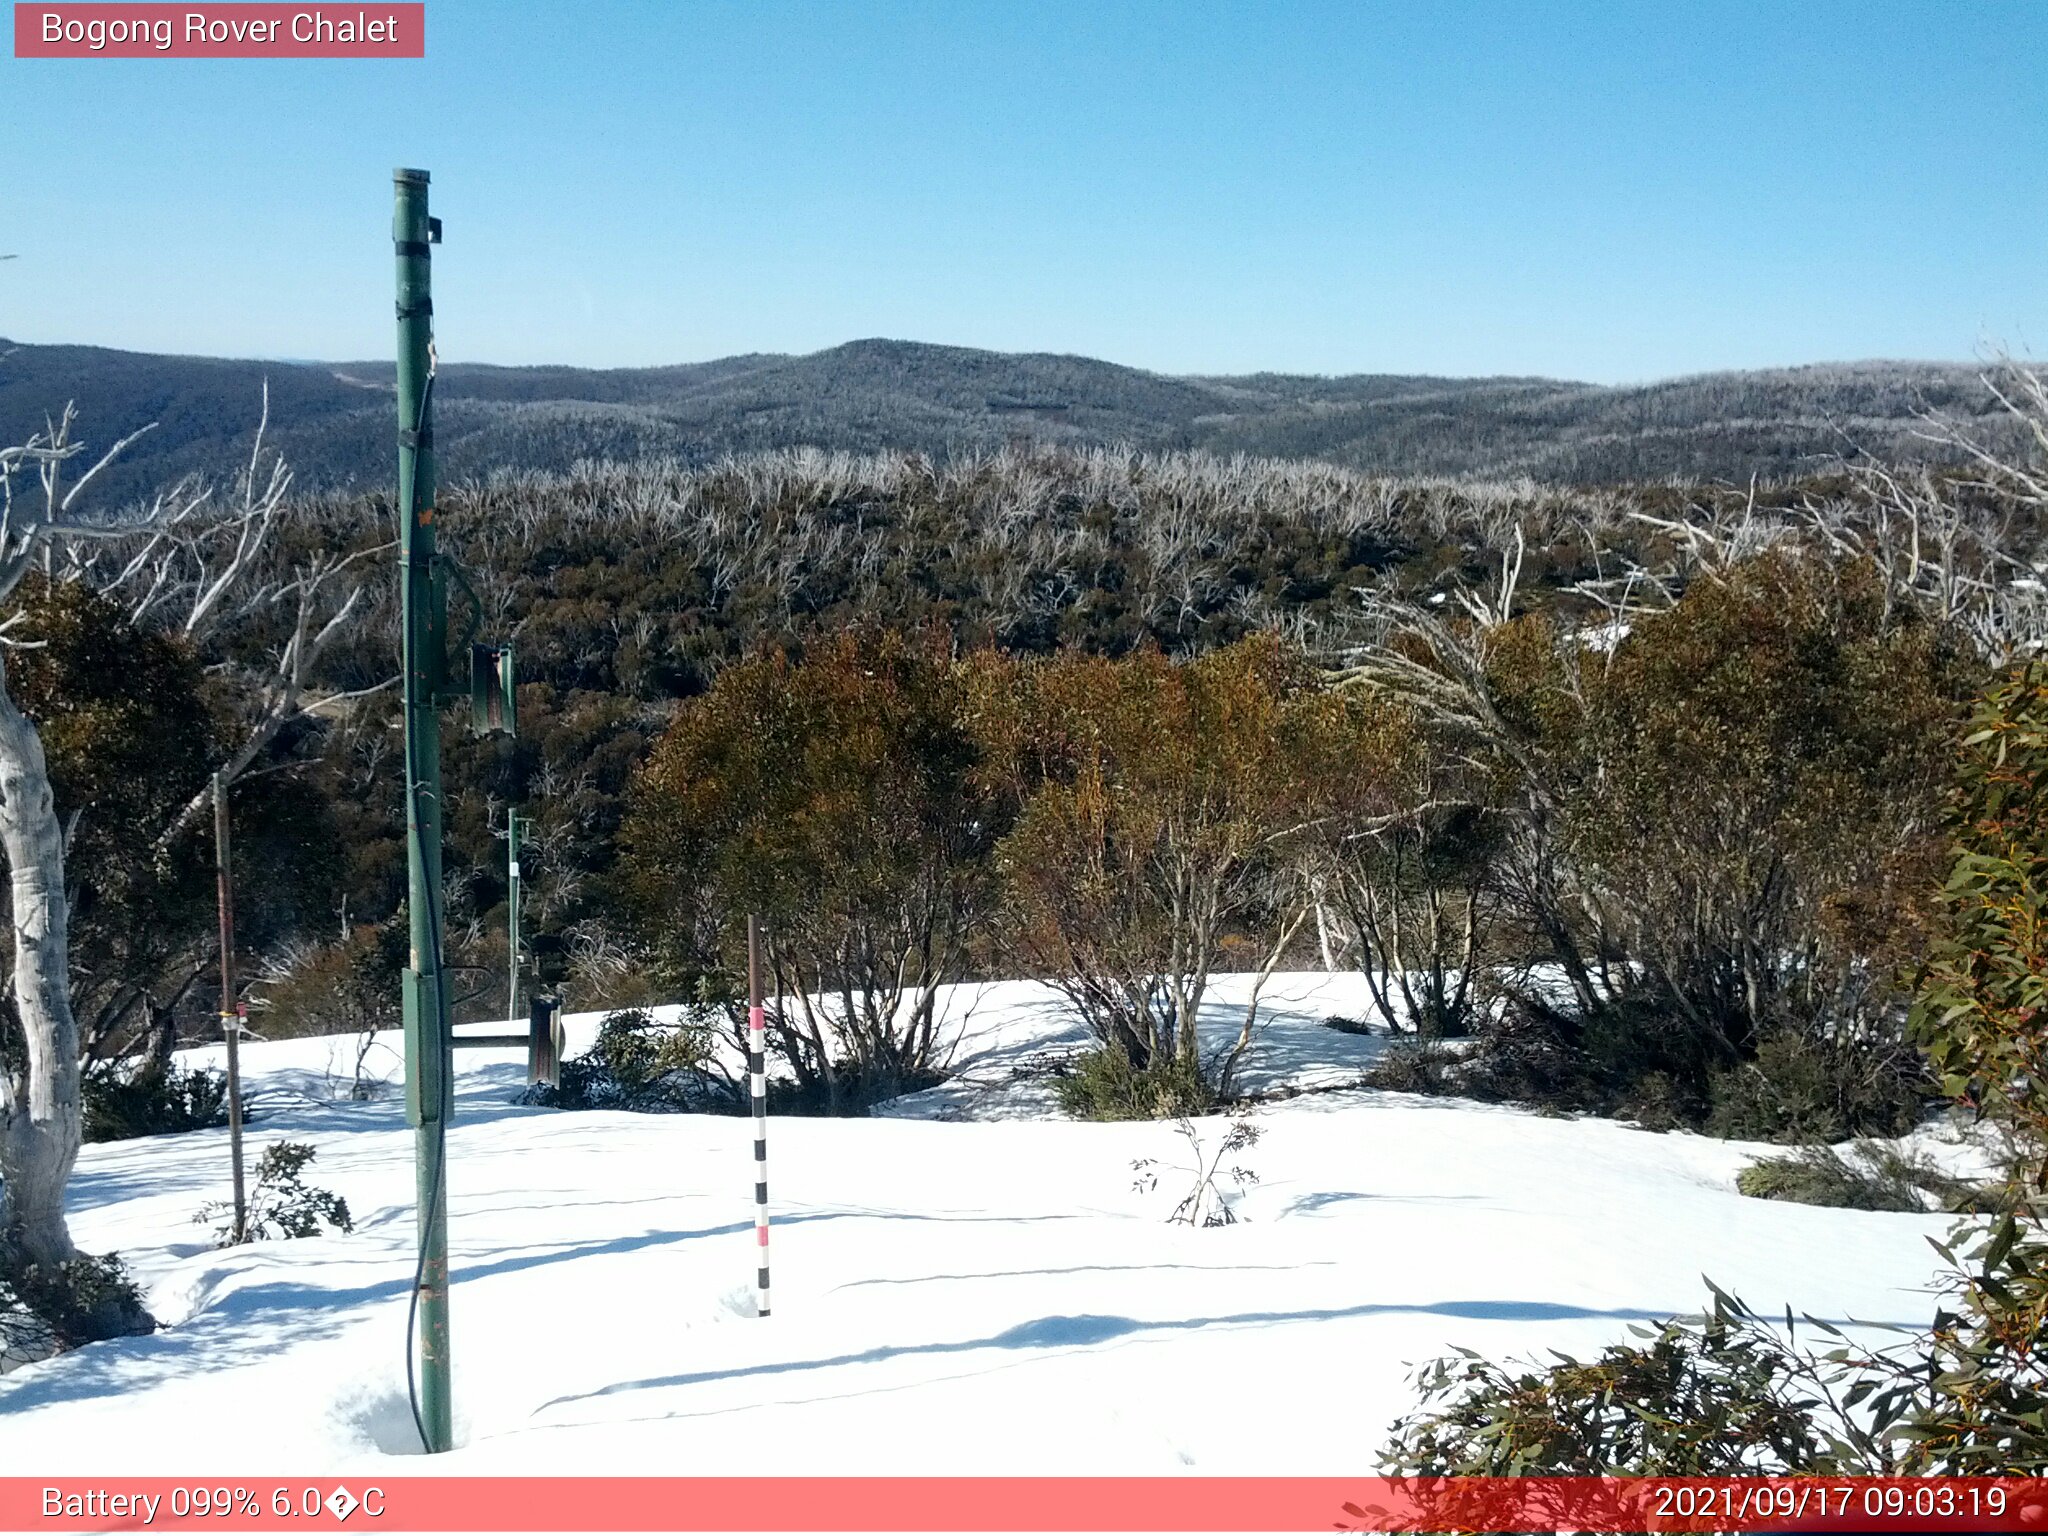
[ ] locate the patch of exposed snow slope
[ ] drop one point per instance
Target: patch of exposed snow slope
(981, 1297)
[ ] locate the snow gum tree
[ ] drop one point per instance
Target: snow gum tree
(1715, 831)
(1165, 809)
(1760, 767)
(836, 797)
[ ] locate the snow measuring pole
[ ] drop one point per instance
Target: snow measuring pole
(425, 575)
(757, 1081)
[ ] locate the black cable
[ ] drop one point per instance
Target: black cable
(437, 1185)
(412, 1311)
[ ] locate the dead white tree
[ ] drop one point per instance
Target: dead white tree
(184, 562)
(199, 566)
(206, 568)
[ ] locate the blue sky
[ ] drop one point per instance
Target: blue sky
(1608, 192)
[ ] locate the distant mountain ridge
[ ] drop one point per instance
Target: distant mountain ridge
(333, 421)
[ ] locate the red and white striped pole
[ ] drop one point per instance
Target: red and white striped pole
(757, 1078)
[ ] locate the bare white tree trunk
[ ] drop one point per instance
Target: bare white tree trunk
(40, 1111)
(39, 1108)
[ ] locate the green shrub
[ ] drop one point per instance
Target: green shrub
(1979, 1019)
(1822, 1176)
(120, 1102)
(1979, 1015)
(1727, 1393)
(1104, 1085)
(1624, 1063)
(1521, 1059)
(89, 1298)
(1638, 1061)
(639, 1051)
(281, 1203)
(1715, 1395)
(639, 1063)
(1662, 1102)
(1512, 1062)
(1800, 1089)
(1985, 1408)
(24, 1337)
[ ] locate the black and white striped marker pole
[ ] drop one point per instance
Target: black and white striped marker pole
(757, 1078)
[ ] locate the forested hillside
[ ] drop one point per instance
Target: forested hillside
(333, 420)
(1628, 801)
(630, 589)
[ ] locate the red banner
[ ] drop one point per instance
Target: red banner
(372, 30)
(378, 1503)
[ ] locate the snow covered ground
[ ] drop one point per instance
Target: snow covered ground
(966, 1284)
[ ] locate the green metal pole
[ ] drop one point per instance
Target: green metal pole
(512, 921)
(429, 1052)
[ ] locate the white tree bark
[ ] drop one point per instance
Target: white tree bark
(39, 1107)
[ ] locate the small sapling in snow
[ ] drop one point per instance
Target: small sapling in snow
(281, 1203)
(1205, 1205)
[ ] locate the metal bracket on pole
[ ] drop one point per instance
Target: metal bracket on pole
(545, 1041)
(513, 879)
(426, 1068)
